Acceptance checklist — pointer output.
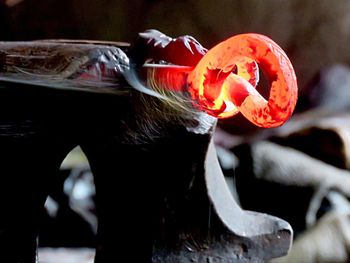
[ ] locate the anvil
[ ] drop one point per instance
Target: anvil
(161, 194)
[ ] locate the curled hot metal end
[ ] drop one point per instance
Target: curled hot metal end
(223, 82)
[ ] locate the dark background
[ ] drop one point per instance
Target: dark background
(314, 33)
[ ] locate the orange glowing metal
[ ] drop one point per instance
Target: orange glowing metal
(224, 80)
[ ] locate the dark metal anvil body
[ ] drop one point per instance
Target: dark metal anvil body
(160, 197)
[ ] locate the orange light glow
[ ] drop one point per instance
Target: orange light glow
(224, 81)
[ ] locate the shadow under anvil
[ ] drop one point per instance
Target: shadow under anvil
(159, 199)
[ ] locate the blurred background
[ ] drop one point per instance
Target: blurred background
(305, 164)
(315, 34)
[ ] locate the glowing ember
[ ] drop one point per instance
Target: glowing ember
(224, 80)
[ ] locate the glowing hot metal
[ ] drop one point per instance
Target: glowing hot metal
(223, 82)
